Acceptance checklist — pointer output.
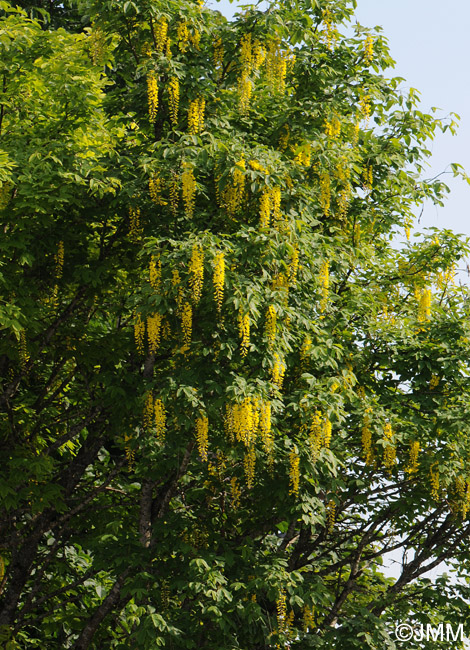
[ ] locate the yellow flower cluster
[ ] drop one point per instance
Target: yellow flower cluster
(202, 429)
(233, 193)
(236, 493)
(278, 371)
(367, 452)
(182, 35)
(174, 99)
(408, 224)
(160, 420)
(294, 473)
(277, 62)
(294, 266)
(270, 327)
(187, 323)
(333, 128)
(155, 189)
(390, 451)
(280, 282)
(242, 421)
(434, 382)
(152, 94)
(155, 273)
(270, 204)
(160, 34)
(196, 272)
(23, 350)
(308, 618)
(139, 332)
(245, 86)
(189, 189)
(130, 453)
(218, 57)
(281, 611)
(413, 462)
(365, 107)
(368, 176)
(303, 157)
(434, 479)
(196, 115)
(219, 279)
(244, 331)
(324, 282)
(319, 434)
(154, 324)
(59, 260)
(305, 349)
(266, 430)
(135, 224)
(424, 308)
(368, 50)
(325, 193)
(249, 464)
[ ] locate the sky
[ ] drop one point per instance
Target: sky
(430, 43)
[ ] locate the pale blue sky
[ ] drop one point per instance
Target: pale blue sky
(430, 43)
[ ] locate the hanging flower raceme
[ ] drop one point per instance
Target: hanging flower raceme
(155, 273)
(139, 332)
(365, 107)
(59, 260)
(333, 128)
(160, 420)
(413, 461)
(278, 371)
(218, 57)
(130, 453)
(187, 323)
(315, 436)
(390, 451)
(235, 493)
(196, 272)
(196, 115)
(266, 431)
(135, 224)
(23, 350)
(324, 281)
(294, 473)
(245, 86)
(202, 437)
(368, 50)
(152, 93)
(244, 332)
(160, 34)
(424, 308)
(325, 193)
(294, 266)
(174, 99)
(276, 67)
(155, 189)
(154, 324)
(270, 327)
(182, 36)
(219, 279)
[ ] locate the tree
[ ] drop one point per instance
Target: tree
(226, 392)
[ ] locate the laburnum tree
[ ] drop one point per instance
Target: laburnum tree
(230, 386)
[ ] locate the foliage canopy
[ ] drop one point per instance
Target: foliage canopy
(226, 394)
